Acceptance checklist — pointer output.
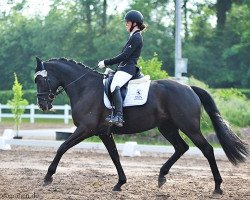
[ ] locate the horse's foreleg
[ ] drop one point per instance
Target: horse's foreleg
(109, 143)
(74, 139)
(171, 133)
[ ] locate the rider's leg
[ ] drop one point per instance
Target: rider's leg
(120, 78)
(117, 119)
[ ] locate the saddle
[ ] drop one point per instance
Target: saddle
(109, 75)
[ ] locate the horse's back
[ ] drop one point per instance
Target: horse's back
(175, 92)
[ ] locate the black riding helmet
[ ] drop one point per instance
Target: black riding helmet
(134, 16)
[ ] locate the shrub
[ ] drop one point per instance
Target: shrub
(227, 94)
(5, 96)
(17, 102)
(195, 82)
(234, 106)
(246, 92)
(153, 67)
(232, 103)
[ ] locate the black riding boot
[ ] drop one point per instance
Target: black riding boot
(117, 119)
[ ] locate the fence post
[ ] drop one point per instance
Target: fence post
(32, 113)
(0, 112)
(66, 113)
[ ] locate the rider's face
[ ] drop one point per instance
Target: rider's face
(128, 25)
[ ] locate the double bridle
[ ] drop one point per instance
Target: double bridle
(49, 95)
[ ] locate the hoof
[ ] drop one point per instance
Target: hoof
(161, 181)
(218, 191)
(47, 181)
(117, 189)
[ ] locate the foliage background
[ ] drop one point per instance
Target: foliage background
(215, 38)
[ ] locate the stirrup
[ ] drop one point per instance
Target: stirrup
(119, 124)
(117, 120)
(108, 118)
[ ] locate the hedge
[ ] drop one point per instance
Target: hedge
(246, 92)
(30, 96)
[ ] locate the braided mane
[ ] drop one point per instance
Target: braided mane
(71, 61)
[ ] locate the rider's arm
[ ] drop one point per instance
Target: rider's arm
(130, 48)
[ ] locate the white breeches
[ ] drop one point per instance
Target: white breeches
(120, 78)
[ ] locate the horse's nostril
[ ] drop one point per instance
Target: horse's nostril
(40, 106)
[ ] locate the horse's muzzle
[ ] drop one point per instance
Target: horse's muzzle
(43, 107)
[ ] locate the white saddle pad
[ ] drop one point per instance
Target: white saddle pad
(137, 93)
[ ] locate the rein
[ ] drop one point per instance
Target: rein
(50, 95)
(63, 88)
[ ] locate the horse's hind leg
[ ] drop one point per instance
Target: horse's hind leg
(74, 139)
(171, 133)
(208, 151)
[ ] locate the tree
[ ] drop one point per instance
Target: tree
(84, 31)
(236, 54)
(17, 103)
(219, 56)
(185, 18)
(104, 16)
(222, 7)
(19, 43)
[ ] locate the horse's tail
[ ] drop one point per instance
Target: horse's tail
(235, 149)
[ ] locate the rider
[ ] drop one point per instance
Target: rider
(127, 61)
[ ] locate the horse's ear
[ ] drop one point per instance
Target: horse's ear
(38, 60)
(38, 64)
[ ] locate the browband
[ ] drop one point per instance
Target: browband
(42, 73)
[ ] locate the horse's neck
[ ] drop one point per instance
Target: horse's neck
(88, 81)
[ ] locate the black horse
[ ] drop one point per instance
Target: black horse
(170, 107)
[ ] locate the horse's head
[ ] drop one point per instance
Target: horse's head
(46, 86)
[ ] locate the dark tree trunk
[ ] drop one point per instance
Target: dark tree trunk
(88, 15)
(222, 6)
(104, 16)
(185, 18)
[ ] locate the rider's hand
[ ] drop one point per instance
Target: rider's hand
(101, 64)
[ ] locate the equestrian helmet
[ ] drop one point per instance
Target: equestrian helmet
(134, 16)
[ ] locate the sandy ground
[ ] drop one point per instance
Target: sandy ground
(91, 175)
(28, 126)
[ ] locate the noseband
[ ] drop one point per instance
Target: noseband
(46, 96)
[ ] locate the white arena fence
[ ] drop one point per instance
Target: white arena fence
(31, 113)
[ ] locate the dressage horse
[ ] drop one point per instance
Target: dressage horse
(171, 107)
